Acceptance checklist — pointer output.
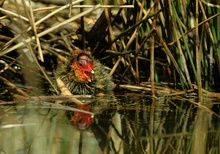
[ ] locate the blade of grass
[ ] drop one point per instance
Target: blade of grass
(32, 23)
(198, 61)
(187, 49)
(216, 45)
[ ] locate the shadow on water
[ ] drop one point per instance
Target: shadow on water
(127, 123)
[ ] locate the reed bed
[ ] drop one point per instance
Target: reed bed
(172, 42)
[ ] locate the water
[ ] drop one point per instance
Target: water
(127, 123)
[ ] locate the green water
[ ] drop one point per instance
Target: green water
(127, 123)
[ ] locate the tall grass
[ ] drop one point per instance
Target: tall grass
(184, 39)
(157, 41)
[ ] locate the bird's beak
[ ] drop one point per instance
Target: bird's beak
(92, 72)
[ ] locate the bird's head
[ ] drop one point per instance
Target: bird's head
(82, 65)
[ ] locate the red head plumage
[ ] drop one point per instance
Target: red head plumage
(82, 66)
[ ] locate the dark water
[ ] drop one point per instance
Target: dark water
(127, 123)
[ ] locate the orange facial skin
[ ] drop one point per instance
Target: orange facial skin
(83, 68)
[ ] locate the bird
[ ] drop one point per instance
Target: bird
(82, 74)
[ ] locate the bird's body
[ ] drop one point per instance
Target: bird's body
(84, 75)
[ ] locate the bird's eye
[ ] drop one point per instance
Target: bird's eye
(80, 64)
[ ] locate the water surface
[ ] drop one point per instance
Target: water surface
(127, 123)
